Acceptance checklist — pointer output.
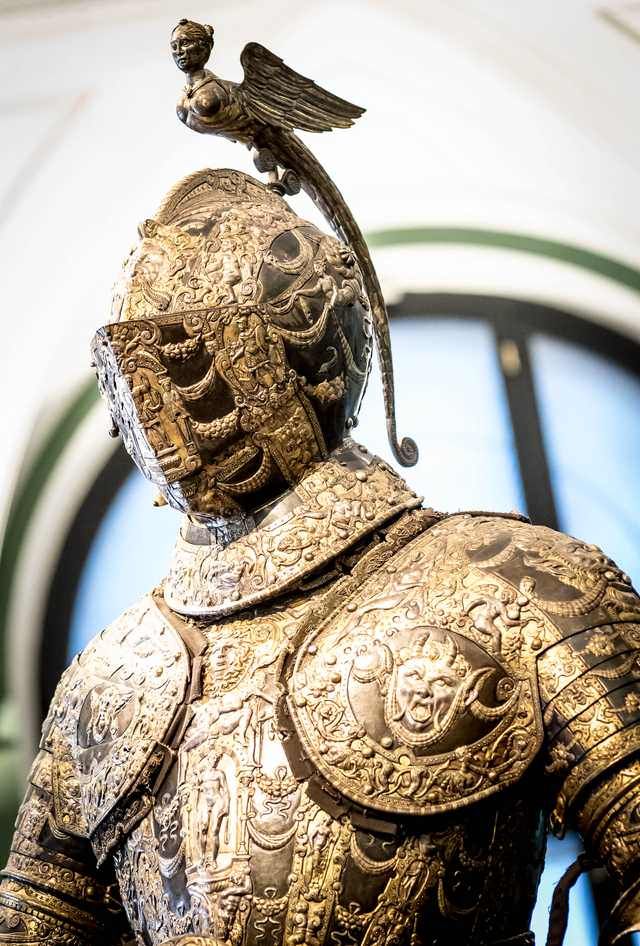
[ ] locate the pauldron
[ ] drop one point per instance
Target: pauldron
(110, 719)
(424, 691)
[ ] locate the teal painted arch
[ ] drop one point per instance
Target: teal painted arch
(35, 477)
(590, 260)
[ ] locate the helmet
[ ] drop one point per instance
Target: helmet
(239, 346)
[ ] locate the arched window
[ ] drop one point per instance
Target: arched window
(514, 406)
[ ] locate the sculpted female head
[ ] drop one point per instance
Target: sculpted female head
(191, 45)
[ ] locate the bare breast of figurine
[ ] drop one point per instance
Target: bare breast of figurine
(210, 105)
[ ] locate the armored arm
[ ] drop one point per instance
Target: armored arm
(51, 891)
(103, 740)
(609, 820)
(590, 684)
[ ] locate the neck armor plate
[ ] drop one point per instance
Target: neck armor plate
(338, 502)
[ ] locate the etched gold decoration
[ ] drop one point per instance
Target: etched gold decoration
(405, 703)
(335, 504)
(242, 347)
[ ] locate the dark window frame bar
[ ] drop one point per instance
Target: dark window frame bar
(513, 322)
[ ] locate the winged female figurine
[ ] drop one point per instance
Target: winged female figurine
(263, 112)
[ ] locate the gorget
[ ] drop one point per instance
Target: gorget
(338, 502)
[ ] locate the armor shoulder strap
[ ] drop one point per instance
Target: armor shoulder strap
(416, 694)
(111, 713)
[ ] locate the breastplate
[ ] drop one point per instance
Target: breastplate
(357, 763)
(236, 851)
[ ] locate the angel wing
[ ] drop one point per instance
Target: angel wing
(277, 95)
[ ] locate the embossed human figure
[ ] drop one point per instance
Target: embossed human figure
(486, 610)
(191, 45)
(229, 661)
(250, 351)
(229, 899)
(211, 809)
(319, 834)
(149, 403)
(104, 708)
(231, 275)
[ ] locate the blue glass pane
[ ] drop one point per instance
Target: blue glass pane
(450, 398)
(590, 411)
(583, 922)
(129, 555)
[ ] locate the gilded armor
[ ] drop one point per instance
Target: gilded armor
(342, 718)
(241, 350)
(360, 759)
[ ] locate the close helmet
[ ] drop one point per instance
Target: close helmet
(239, 348)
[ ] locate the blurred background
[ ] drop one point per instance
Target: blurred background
(497, 177)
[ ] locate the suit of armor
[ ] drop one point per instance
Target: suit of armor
(342, 718)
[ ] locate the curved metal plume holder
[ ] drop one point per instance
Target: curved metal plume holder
(262, 112)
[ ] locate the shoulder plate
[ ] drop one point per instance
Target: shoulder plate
(410, 699)
(419, 693)
(113, 708)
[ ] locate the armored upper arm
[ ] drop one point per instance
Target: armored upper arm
(478, 644)
(51, 891)
(589, 683)
(103, 744)
(591, 696)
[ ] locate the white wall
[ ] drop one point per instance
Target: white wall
(517, 115)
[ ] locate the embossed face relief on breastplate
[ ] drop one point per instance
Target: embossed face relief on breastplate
(429, 689)
(389, 713)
